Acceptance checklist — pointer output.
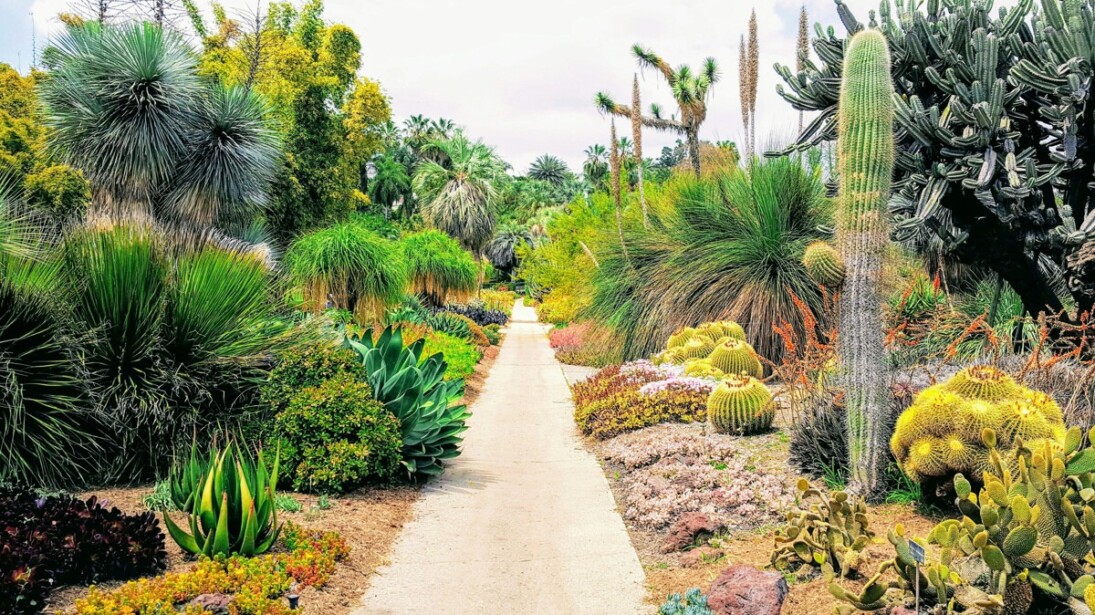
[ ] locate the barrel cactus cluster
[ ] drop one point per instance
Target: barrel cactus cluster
(740, 405)
(711, 350)
(940, 434)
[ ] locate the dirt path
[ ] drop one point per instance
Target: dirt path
(523, 521)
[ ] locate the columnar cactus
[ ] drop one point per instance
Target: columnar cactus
(866, 159)
(741, 405)
(734, 356)
(824, 264)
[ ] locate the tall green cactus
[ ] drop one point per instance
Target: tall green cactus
(866, 157)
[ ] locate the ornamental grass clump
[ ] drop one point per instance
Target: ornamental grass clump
(440, 271)
(351, 266)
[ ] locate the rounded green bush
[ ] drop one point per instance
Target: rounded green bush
(460, 355)
(440, 270)
(308, 366)
(335, 437)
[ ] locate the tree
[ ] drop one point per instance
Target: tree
(595, 167)
(391, 187)
(457, 198)
(125, 105)
(502, 252)
(690, 90)
(364, 117)
(550, 169)
(996, 147)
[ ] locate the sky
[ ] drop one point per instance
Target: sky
(521, 75)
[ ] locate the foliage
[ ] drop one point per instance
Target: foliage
(502, 251)
(866, 161)
(307, 366)
(230, 507)
(832, 533)
(724, 248)
(549, 168)
(693, 602)
(991, 124)
(335, 437)
(819, 438)
(159, 499)
(457, 199)
(391, 186)
(440, 270)
(182, 330)
(59, 540)
(742, 405)
(636, 395)
(182, 148)
(351, 266)
(59, 191)
(461, 355)
(410, 384)
(940, 434)
(498, 300)
(256, 585)
(493, 333)
(586, 343)
(478, 313)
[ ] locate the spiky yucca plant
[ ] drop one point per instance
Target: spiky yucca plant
(866, 158)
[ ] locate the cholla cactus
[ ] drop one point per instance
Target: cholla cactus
(824, 264)
(734, 356)
(741, 405)
(940, 434)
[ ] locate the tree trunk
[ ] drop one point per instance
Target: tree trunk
(642, 197)
(694, 150)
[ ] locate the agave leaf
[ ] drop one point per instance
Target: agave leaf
(186, 541)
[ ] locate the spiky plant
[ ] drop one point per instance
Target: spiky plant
(440, 271)
(126, 106)
(690, 90)
(866, 158)
(457, 198)
(550, 169)
(502, 252)
(637, 135)
(351, 266)
(723, 248)
(614, 163)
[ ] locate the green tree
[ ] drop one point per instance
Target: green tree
(550, 169)
(392, 186)
(595, 167)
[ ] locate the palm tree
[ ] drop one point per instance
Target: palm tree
(596, 165)
(417, 130)
(442, 128)
(690, 90)
(502, 250)
(391, 187)
(550, 169)
(457, 198)
(126, 105)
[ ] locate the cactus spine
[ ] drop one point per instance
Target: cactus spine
(866, 158)
(741, 405)
(824, 264)
(736, 357)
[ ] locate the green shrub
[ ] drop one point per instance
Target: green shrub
(493, 333)
(440, 270)
(308, 366)
(460, 355)
(336, 437)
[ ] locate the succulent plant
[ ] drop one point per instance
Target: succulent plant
(231, 507)
(741, 405)
(702, 368)
(940, 434)
(680, 337)
(830, 534)
(734, 356)
(824, 264)
(717, 330)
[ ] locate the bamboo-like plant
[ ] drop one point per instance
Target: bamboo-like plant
(866, 158)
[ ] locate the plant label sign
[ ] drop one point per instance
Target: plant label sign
(916, 551)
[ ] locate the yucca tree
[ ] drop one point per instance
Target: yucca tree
(458, 197)
(124, 104)
(550, 169)
(690, 90)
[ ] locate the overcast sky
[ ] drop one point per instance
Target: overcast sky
(521, 75)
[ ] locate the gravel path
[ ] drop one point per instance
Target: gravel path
(523, 521)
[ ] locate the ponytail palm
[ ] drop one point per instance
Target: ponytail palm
(457, 197)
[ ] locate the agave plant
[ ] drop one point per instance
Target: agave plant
(229, 498)
(412, 388)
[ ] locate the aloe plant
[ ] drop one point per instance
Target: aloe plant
(229, 500)
(412, 388)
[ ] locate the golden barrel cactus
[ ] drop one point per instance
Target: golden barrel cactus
(702, 368)
(722, 329)
(734, 356)
(680, 338)
(940, 434)
(740, 405)
(824, 264)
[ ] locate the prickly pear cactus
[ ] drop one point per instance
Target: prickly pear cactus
(831, 534)
(740, 405)
(824, 264)
(940, 434)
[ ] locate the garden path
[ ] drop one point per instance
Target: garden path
(523, 521)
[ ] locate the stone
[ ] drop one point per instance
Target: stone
(745, 590)
(687, 527)
(700, 555)
(901, 609)
(214, 603)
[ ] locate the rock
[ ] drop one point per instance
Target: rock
(214, 603)
(902, 610)
(700, 555)
(744, 590)
(687, 528)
